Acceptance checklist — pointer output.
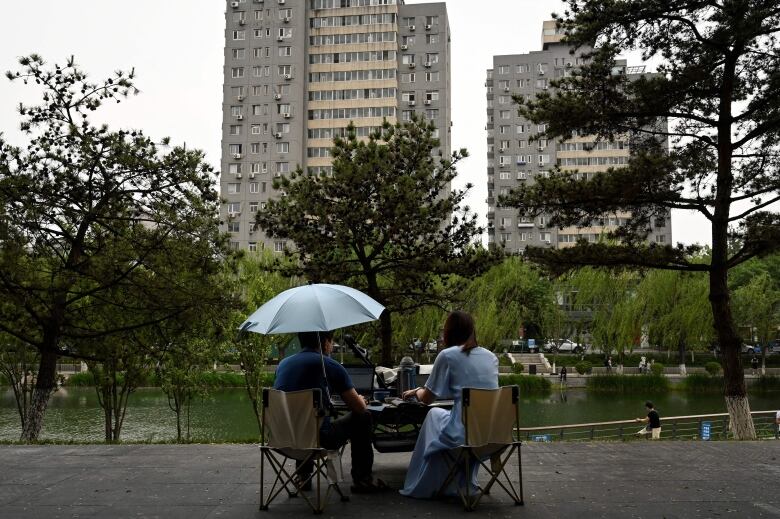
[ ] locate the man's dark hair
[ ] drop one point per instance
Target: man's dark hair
(314, 340)
(649, 405)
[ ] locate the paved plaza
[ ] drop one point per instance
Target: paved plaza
(637, 479)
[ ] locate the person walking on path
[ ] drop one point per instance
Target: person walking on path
(754, 364)
(563, 375)
(653, 421)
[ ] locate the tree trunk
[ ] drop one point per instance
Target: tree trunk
(45, 385)
(734, 389)
(386, 332)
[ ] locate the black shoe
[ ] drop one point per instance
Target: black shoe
(302, 481)
(369, 487)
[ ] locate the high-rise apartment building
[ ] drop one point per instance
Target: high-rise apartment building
(514, 159)
(297, 72)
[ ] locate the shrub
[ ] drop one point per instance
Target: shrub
(529, 385)
(698, 383)
(83, 379)
(504, 359)
(517, 368)
(657, 368)
(628, 384)
(583, 367)
(4, 381)
(713, 368)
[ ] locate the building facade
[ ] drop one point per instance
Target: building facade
(513, 159)
(297, 72)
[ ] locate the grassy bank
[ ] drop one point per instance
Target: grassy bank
(210, 379)
(628, 384)
(632, 360)
(529, 384)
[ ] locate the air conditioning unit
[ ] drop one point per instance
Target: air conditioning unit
(541, 163)
(506, 89)
(521, 163)
(568, 65)
(541, 148)
(240, 97)
(427, 64)
(412, 65)
(239, 175)
(241, 22)
(427, 102)
(277, 96)
(286, 19)
(428, 27)
(252, 175)
(411, 27)
(501, 149)
(234, 5)
(278, 135)
(287, 76)
(240, 117)
(502, 165)
(404, 47)
(277, 175)
(236, 156)
(233, 215)
(286, 115)
(281, 2)
(258, 1)
(541, 72)
(280, 38)
(412, 102)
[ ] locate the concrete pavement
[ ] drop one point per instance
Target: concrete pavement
(636, 479)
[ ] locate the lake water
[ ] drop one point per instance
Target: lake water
(74, 413)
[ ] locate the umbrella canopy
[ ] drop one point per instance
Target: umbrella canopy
(313, 308)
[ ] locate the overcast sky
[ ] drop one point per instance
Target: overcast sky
(176, 47)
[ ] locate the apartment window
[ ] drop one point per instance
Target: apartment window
(252, 207)
(504, 145)
(265, 147)
(239, 35)
(407, 59)
(234, 149)
(506, 237)
(408, 21)
(521, 143)
(255, 168)
(255, 129)
(431, 76)
(254, 187)
(252, 246)
(282, 147)
(432, 58)
(407, 96)
(285, 32)
(504, 100)
(431, 113)
(234, 207)
(285, 70)
(660, 222)
(235, 111)
(257, 90)
(520, 128)
(541, 128)
(660, 238)
(520, 69)
(254, 148)
(407, 40)
(283, 108)
(544, 236)
(239, 53)
(257, 52)
(408, 77)
(541, 83)
(505, 114)
(285, 13)
(258, 15)
(279, 246)
(237, 72)
(406, 115)
(257, 33)
(543, 221)
(282, 167)
(234, 169)
(234, 227)
(432, 95)
(503, 130)
(503, 69)
(505, 160)
(263, 189)
(234, 188)
(267, 71)
(523, 236)
(235, 129)
(432, 39)
(544, 159)
(263, 205)
(505, 175)
(285, 51)
(283, 127)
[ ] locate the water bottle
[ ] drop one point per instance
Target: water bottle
(407, 373)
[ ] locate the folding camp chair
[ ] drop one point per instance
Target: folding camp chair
(489, 417)
(291, 431)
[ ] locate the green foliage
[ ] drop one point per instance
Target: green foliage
(83, 379)
(509, 296)
(638, 384)
(713, 368)
(657, 368)
(757, 306)
(583, 367)
(386, 222)
(517, 368)
(767, 383)
(109, 233)
(699, 383)
(529, 384)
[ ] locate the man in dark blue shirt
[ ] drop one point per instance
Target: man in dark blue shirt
(309, 370)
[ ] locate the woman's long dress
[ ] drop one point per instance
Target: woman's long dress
(443, 430)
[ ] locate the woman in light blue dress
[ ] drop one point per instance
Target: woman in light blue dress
(462, 364)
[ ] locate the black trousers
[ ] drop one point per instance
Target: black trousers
(358, 430)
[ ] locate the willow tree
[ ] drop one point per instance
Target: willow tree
(718, 86)
(101, 233)
(386, 221)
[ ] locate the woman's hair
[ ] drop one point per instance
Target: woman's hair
(459, 331)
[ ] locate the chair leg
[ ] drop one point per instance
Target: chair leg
(520, 474)
(263, 505)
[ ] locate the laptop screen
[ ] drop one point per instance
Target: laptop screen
(362, 377)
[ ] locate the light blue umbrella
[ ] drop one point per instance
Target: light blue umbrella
(313, 308)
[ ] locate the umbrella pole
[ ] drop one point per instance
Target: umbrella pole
(324, 371)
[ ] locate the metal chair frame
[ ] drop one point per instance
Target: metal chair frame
(465, 456)
(321, 459)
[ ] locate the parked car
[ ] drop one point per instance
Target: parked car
(563, 346)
